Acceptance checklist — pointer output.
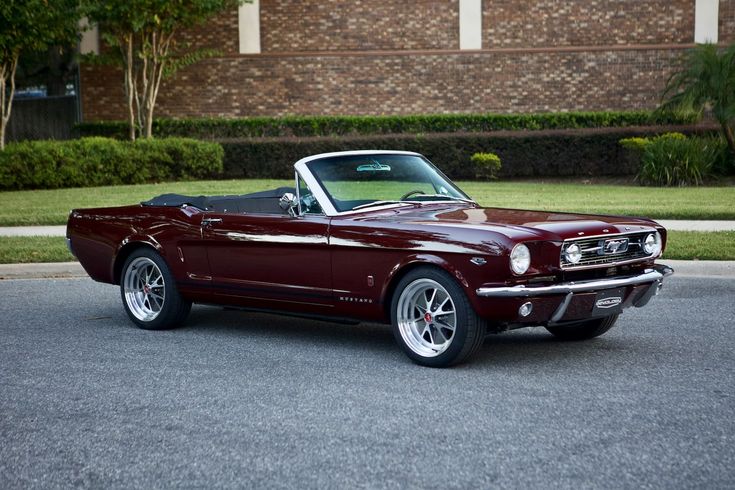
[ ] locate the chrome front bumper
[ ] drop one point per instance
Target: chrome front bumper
(654, 276)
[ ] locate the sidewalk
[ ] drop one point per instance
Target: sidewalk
(678, 225)
(33, 230)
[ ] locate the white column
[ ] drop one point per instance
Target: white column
(705, 21)
(90, 43)
(470, 24)
(248, 22)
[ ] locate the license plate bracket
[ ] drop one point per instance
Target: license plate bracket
(609, 302)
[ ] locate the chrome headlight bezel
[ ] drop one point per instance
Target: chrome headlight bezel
(652, 244)
(520, 259)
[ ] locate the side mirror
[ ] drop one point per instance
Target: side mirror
(288, 202)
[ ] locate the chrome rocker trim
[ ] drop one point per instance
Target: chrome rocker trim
(654, 276)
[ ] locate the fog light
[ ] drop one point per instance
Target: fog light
(573, 253)
(525, 309)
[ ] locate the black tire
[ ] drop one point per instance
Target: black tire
(149, 293)
(459, 344)
(585, 330)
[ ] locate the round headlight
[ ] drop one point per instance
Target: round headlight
(652, 243)
(573, 253)
(520, 259)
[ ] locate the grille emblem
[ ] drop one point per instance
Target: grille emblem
(614, 246)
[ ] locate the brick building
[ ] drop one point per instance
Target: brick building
(427, 56)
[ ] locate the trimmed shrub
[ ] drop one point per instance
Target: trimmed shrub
(306, 126)
(103, 161)
(486, 165)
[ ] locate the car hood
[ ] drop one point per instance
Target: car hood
(516, 224)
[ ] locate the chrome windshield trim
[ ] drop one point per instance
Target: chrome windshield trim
(522, 291)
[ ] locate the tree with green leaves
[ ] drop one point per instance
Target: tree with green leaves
(705, 80)
(143, 35)
(26, 26)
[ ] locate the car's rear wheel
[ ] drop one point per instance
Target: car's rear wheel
(149, 292)
(433, 320)
(585, 330)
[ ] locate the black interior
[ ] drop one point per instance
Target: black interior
(257, 202)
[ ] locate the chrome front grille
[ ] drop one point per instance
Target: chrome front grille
(606, 250)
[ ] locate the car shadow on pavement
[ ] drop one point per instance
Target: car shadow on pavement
(529, 346)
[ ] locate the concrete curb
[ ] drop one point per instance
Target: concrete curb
(57, 270)
(703, 268)
(48, 270)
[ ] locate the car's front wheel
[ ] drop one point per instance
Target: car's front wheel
(433, 320)
(585, 330)
(149, 292)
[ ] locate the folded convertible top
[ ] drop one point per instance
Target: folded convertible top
(257, 202)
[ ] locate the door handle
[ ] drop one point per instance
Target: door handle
(211, 221)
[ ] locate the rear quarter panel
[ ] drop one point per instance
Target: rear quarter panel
(101, 237)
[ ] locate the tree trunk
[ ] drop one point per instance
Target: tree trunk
(7, 73)
(130, 85)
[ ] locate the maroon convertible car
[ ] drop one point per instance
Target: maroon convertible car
(378, 236)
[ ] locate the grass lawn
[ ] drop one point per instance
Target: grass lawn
(51, 207)
(691, 245)
(684, 245)
(23, 250)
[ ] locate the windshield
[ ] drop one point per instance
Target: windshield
(359, 181)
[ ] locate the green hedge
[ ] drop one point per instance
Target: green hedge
(524, 154)
(104, 161)
(255, 127)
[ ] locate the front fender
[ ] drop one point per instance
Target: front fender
(412, 261)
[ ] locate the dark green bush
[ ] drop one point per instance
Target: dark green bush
(673, 159)
(677, 161)
(524, 154)
(256, 127)
(103, 161)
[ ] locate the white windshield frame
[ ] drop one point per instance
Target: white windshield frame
(302, 169)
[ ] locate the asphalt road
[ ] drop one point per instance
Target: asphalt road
(249, 400)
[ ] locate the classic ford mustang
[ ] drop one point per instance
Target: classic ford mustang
(378, 236)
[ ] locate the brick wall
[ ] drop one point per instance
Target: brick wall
(727, 21)
(399, 57)
(347, 25)
(219, 33)
(534, 23)
(400, 84)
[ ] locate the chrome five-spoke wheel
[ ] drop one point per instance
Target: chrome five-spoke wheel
(149, 292)
(426, 317)
(144, 289)
(433, 320)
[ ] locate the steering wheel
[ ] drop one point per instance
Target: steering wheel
(411, 193)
